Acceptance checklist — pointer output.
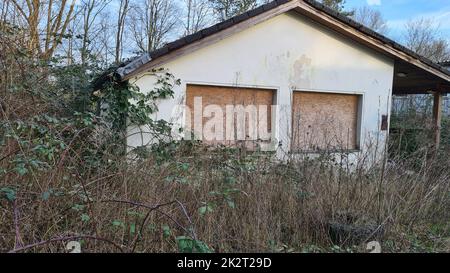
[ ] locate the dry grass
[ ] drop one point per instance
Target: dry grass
(253, 204)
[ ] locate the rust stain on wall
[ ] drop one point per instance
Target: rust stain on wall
(301, 72)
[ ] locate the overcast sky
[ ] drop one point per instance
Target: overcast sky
(398, 12)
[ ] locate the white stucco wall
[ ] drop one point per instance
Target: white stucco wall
(286, 53)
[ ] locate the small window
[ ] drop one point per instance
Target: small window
(325, 121)
(229, 134)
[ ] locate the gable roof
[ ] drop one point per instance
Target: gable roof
(384, 45)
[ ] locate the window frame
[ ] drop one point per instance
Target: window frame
(359, 122)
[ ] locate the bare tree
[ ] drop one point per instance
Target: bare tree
(196, 17)
(124, 8)
(48, 19)
(105, 39)
(4, 8)
(153, 22)
(422, 36)
(371, 18)
(90, 11)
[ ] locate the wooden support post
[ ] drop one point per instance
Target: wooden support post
(437, 118)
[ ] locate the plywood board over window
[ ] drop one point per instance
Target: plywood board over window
(325, 121)
(224, 97)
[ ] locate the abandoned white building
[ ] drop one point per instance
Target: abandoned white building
(325, 73)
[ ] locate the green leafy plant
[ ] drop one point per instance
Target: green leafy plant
(167, 232)
(189, 245)
(206, 208)
(122, 103)
(8, 193)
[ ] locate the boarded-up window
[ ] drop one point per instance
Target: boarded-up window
(236, 98)
(324, 121)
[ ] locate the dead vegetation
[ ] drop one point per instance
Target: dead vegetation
(226, 201)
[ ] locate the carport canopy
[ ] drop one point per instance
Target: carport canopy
(411, 80)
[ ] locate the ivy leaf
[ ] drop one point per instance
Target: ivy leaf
(46, 195)
(166, 231)
(201, 247)
(230, 180)
(185, 166)
(9, 193)
(189, 245)
(85, 217)
(231, 204)
(202, 210)
(78, 207)
(185, 244)
(118, 223)
(132, 228)
(21, 170)
(206, 208)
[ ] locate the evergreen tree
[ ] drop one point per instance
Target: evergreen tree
(225, 9)
(338, 5)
